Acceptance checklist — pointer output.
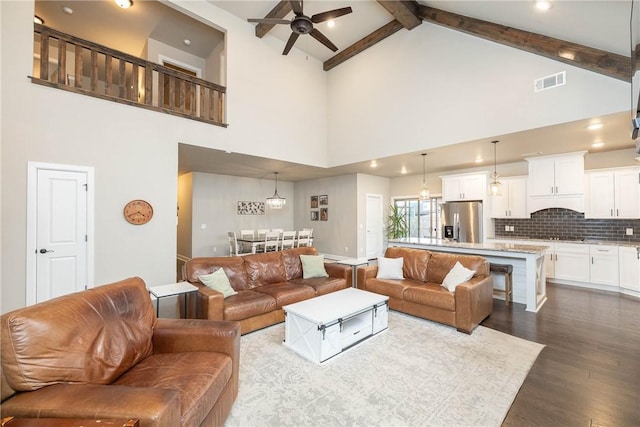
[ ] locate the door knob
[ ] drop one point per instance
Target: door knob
(44, 251)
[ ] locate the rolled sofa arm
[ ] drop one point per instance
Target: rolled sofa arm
(339, 270)
(210, 303)
(154, 407)
(365, 273)
(474, 302)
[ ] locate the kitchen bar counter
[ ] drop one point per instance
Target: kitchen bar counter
(529, 280)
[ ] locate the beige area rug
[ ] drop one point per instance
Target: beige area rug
(416, 373)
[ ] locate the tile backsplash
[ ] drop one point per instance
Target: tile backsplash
(566, 224)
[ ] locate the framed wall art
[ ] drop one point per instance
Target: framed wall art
(324, 214)
(324, 199)
(314, 201)
(314, 215)
(250, 208)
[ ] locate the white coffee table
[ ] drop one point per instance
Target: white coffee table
(322, 327)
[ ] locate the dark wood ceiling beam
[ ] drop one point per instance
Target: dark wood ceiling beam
(281, 10)
(405, 12)
(596, 60)
(363, 44)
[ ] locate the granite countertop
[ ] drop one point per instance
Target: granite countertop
(576, 240)
(498, 247)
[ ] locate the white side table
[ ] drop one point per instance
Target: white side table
(354, 263)
(173, 289)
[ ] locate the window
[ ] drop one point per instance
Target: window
(423, 216)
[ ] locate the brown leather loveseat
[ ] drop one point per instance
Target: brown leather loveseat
(102, 354)
(420, 292)
(264, 282)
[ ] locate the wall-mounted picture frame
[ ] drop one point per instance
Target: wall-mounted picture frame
(250, 208)
(314, 201)
(323, 199)
(314, 215)
(324, 214)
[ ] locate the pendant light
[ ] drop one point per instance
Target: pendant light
(495, 187)
(424, 192)
(275, 201)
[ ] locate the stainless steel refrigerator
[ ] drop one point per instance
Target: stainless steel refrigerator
(462, 221)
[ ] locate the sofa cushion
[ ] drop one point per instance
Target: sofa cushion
(457, 275)
(415, 261)
(292, 263)
(199, 377)
(390, 268)
(287, 293)
(389, 287)
(313, 266)
(263, 269)
(89, 337)
(247, 303)
(218, 281)
(441, 263)
(323, 285)
(233, 268)
(432, 295)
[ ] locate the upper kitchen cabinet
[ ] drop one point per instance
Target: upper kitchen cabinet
(512, 203)
(471, 186)
(556, 182)
(613, 193)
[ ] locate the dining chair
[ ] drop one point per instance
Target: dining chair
(246, 234)
(271, 241)
(288, 240)
(304, 238)
(234, 248)
(262, 232)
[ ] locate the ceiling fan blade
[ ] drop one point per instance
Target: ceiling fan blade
(296, 6)
(331, 14)
(322, 39)
(292, 39)
(269, 21)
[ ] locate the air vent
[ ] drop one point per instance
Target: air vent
(549, 82)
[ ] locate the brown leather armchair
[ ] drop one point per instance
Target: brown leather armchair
(102, 353)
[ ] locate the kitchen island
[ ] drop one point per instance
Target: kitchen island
(529, 276)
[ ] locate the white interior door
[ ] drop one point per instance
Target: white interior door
(59, 228)
(375, 226)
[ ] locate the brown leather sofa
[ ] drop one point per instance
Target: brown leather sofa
(420, 292)
(264, 282)
(102, 353)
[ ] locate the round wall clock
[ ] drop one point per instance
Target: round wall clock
(138, 212)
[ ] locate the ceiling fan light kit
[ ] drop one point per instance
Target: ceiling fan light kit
(302, 24)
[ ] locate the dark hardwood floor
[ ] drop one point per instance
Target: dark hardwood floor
(589, 372)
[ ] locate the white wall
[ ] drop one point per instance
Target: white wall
(369, 184)
(432, 86)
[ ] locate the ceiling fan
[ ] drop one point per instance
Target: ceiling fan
(303, 24)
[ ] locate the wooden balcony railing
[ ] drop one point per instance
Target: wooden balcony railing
(91, 69)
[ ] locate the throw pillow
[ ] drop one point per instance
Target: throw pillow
(390, 268)
(458, 274)
(218, 281)
(313, 266)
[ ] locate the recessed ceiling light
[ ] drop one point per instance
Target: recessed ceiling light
(67, 10)
(374, 164)
(598, 144)
(595, 126)
(543, 5)
(331, 23)
(478, 159)
(38, 20)
(403, 170)
(187, 42)
(125, 4)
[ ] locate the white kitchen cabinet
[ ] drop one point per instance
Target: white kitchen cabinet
(613, 193)
(604, 264)
(512, 203)
(464, 187)
(571, 262)
(556, 182)
(629, 268)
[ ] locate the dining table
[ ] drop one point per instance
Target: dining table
(255, 242)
